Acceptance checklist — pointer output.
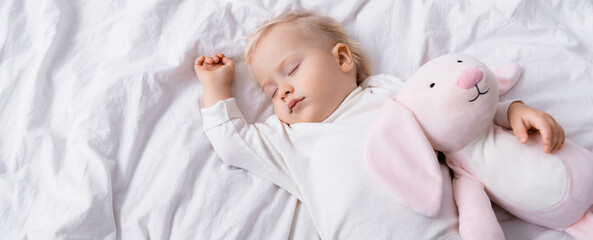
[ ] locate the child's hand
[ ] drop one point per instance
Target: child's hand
(215, 70)
(524, 118)
(216, 74)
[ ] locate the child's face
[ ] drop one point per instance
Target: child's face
(305, 78)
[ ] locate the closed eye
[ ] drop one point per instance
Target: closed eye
(294, 69)
(272, 92)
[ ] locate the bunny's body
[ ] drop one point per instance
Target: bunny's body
(552, 190)
(449, 105)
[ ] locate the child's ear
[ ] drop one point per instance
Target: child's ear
(343, 56)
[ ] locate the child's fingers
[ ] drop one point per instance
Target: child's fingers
(552, 136)
(215, 58)
(551, 146)
(520, 131)
(555, 141)
(199, 61)
(228, 61)
(556, 146)
(547, 138)
(560, 138)
(548, 132)
(563, 138)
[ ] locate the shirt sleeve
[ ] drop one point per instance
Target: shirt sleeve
(501, 118)
(244, 145)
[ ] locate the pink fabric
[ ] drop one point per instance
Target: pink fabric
(395, 156)
(470, 78)
(579, 164)
(583, 229)
(570, 211)
(507, 76)
(479, 221)
(401, 141)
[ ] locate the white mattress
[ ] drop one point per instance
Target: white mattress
(100, 129)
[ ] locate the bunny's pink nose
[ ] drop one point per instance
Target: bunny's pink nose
(470, 78)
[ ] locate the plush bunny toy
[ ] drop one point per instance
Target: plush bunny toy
(449, 105)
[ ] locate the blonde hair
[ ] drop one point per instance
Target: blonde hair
(314, 23)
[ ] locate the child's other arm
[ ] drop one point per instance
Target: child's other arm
(216, 74)
(522, 118)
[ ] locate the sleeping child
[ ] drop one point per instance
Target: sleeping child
(318, 80)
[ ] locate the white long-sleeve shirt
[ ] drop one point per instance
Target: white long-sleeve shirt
(322, 164)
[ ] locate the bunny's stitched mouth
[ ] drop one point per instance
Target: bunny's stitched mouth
(479, 93)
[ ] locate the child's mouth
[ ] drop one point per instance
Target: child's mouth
(293, 103)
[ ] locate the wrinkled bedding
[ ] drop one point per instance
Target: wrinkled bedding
(100, 127)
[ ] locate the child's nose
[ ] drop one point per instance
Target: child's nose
(284, 94)
(285, 90)
(470, 78)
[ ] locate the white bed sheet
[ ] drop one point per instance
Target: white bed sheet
(101, 135)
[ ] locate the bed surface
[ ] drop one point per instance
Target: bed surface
(100, 126)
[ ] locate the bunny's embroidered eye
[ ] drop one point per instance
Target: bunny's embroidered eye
(459, 61)
(431, 85)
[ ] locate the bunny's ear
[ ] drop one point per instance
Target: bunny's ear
(399, 155)
(506, 76)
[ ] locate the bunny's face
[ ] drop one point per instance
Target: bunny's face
(454, 98)
(445, 105)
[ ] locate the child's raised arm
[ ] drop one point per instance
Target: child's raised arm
(216, 74)
(235, 141)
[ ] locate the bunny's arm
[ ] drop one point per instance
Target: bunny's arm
(476, 216)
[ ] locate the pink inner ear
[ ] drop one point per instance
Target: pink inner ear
(507, 76)
(399, 155)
